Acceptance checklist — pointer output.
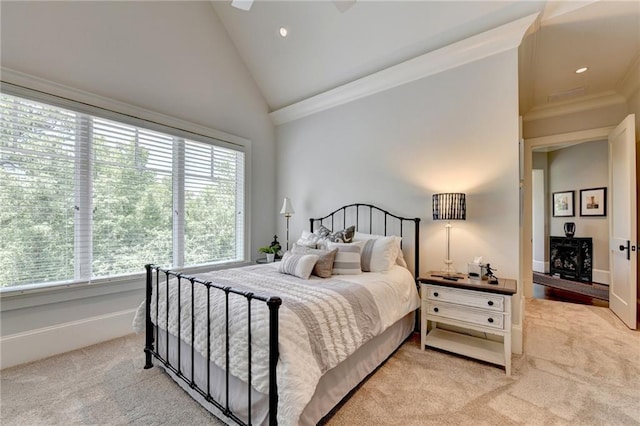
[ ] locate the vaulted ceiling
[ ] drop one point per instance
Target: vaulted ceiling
(331, 43)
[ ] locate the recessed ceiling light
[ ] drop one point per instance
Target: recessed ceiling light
(581, 70)
(283, 31)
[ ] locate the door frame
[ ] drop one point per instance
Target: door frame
(526, 246)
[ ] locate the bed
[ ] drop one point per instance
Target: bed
(255, 345)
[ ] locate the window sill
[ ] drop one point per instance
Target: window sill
(19, 298)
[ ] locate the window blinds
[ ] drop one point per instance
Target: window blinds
(212, 182)
(132, 198)
(86, 197)
(37, 157)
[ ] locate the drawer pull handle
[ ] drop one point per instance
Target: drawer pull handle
(490, 320)
(490, 302)
(435, 309)
(435, 294)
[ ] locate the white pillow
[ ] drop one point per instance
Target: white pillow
(308, 239)
(347, 261)
(299, 265)
(380, 252)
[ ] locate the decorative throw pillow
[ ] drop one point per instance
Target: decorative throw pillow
(299, 265)
(324, 265)
(375, 257)
(308, 239)
(347, 261)
(344, 236)
(379, 254)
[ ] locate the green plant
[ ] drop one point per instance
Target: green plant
(269, 249)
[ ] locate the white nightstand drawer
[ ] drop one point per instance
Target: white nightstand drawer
(483, 317)
(476, 299)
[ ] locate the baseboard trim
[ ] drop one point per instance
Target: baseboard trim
(33, 345)
(540, 266)
(516, 339)
(601, 276)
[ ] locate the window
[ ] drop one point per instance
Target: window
(86, 197)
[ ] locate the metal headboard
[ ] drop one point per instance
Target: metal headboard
(379, 222)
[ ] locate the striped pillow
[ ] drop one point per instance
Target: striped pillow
(399, 258)
(324, 265)
(379, 254)
(347, 261)
(299, 265)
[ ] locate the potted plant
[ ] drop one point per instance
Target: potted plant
(270, 251)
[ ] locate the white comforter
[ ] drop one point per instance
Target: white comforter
(320, 323)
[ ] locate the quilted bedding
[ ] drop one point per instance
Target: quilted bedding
(322, 322)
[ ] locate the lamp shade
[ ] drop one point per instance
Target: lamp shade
(449, 206)
(287, 208)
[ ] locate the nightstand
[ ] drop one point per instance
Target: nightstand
(476, 309)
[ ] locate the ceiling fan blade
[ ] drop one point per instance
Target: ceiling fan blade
(242, 4)
(344, 5)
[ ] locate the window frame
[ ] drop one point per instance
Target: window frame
(82, 102)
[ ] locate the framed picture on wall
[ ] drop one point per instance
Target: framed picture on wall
(593, 202)
(563, 204)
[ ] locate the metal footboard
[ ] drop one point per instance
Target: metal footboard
(152, 331)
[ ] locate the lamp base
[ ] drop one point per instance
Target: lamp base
(448, 268)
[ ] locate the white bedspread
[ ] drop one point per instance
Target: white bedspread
(322, 322)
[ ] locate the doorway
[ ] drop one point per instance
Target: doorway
(544, 143)
(622, 162)
(579, 268)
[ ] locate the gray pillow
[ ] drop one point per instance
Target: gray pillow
(344, 236)
(324, 265)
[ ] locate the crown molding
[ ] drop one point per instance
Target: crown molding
(554, 10)
(570, 138)
(598, 100)
(631, 81)
(488, 43)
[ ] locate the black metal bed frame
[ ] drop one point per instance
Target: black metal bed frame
(371, 208)
(273, 304)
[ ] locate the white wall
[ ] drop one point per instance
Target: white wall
(579, 167)
(456, 131)
(174, 58)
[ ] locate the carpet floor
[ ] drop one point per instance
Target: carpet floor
(581, 366)
(585, 289)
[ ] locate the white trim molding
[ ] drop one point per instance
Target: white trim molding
(48, 87)
(540, 266)
(630, 82)
(488, 43)
(601, 276)
(585, 103)
(580, 136)
(37, 344)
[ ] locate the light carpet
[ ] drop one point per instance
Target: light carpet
(581, 366)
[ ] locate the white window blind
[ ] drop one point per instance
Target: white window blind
(213, 178)
(132, 198)
(86, 197)
(37, 156)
